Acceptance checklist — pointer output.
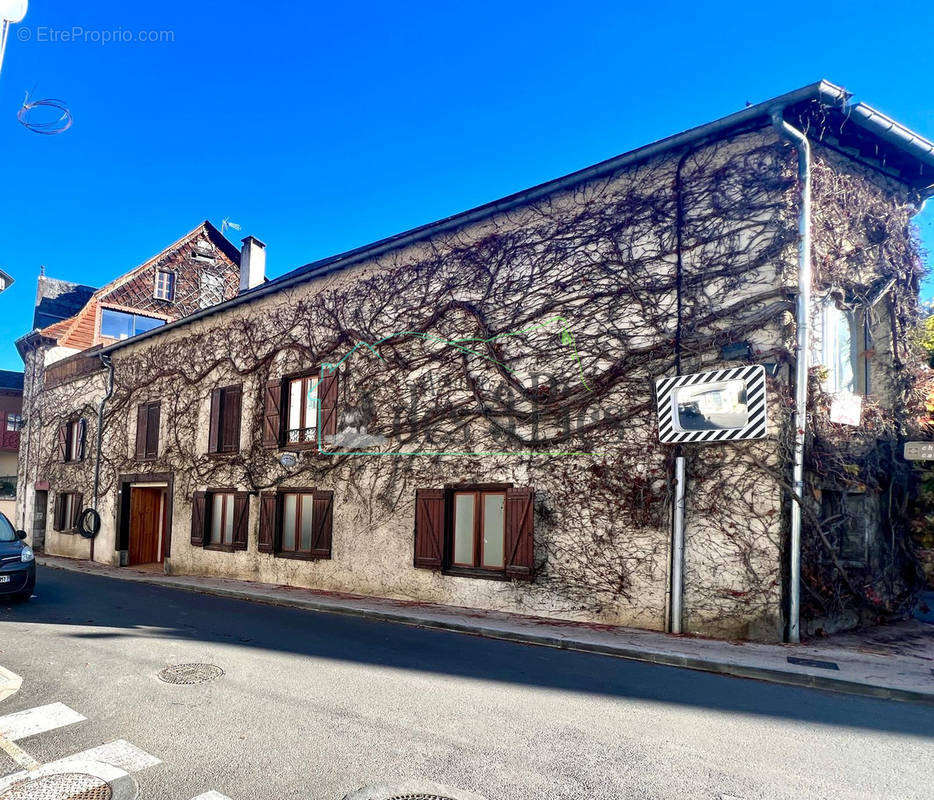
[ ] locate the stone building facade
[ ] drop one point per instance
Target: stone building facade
(464, 413)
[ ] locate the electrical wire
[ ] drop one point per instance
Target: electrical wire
(48, 127)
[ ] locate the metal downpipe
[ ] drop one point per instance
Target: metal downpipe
(802, 322)
(677, 548)
(106, 361)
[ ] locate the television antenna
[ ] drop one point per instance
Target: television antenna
(11, 13)
(228, 224)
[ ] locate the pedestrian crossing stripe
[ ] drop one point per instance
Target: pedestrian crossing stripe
(671, 432)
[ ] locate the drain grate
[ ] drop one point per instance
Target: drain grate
(812, 662)
(418, 790)
(189, 674)
(419, 797)
(67, 786)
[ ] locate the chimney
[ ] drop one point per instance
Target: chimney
(252, 263)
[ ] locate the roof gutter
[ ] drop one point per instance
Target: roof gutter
(758, 114)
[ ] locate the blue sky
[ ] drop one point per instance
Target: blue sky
(320, 127)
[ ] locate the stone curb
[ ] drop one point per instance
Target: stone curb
(700, 664)
(9, 683)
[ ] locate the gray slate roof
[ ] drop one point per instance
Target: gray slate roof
(11, 381)
(57, 300)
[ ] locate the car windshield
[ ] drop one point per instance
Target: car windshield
(7, 533)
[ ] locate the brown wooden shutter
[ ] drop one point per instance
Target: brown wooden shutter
(142, 419)
(214, 429)
(197, 519)
(520, 528)
(76, 509)
(63, 441)
(152, 430)
(267, 521)
(82, 436)
(241, 520)
(327, 392)
(272, 401)
(230, 419)
(322, 520)
(57, 517)
(429, 528)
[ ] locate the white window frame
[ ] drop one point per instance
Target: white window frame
(169, 292)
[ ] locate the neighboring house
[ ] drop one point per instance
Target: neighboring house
(199, 270)
(464, 413)
(11, 406)
(5, 281)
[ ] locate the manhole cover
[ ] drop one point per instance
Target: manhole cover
(190, 673)
(67, 786)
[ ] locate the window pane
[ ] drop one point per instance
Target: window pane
(295, 409)
(146, 323)
(217, 517)
(845, 353)
(306, 521)
(74, 436)
(494, 529)
(228, 520)
(311, 407)
(463, 529)
(288, 522)
(116, 324)
(69, 511)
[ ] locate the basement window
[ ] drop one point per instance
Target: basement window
(848, 519)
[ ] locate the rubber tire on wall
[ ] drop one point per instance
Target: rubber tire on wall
(89, 523)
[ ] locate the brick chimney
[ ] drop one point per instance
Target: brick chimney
(252, 263)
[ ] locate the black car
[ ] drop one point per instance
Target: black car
(17, 562)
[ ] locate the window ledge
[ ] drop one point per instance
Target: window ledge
(467, 572)
(302, 556)
(299, 446)
(220, 548)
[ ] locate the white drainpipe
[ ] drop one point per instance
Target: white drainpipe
(801, 365)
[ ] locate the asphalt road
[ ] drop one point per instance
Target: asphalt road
(313, 706)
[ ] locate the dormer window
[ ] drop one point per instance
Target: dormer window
(121, 325)
(165, 285)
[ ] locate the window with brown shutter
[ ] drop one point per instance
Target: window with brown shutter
(224, 429)
(147, 431)
(272, 399)
(67, 510)
(268, 512)
(197, 518)
(220, 520)
(296, 523)
(308, 406)
(71, 439)
(476, 530)
(429, 528)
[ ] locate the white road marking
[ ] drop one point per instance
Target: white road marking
(37, 720)
(20, 756)
(121, 754)
(212, 795)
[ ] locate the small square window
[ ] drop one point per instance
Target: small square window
(165, 285)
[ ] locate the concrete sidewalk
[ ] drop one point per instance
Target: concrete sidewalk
(893, 661)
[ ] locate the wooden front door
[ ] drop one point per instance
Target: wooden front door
(146, 520)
